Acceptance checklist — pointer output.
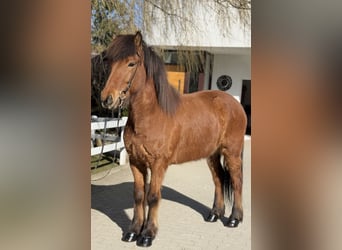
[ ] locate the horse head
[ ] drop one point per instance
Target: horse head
(125, 56)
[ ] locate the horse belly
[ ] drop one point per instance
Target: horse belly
(190, 155)
(196, 147)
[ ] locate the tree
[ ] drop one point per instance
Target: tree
(111, 17)
(178, 15)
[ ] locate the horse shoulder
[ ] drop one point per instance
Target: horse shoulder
(148, 143)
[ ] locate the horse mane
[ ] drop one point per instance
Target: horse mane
(123, 46)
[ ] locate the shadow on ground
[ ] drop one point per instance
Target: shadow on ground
(113, 200)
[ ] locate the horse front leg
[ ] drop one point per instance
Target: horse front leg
(153, 200)
(140, 175)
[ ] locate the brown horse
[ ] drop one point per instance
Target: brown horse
(166, 128)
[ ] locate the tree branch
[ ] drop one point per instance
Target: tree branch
(168, 13)
(241, 5)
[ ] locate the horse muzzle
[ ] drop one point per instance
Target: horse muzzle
(110, 102)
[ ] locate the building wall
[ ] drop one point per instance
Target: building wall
(238, 67)
(204, 29)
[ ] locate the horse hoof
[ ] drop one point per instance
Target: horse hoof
(130, 237)
(212, 218)
(233, 222)
(144, 241)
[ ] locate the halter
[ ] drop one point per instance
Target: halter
(122, 94)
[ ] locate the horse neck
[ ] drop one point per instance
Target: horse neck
(144, 103)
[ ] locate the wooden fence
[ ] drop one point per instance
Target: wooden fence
(99, 129)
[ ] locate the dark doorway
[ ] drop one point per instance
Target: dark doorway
(193, 84)
(246, 102)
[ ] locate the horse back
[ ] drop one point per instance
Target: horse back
(206, 120)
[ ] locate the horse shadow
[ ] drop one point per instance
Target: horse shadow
(114, 199)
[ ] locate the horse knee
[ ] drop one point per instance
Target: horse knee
(153, 199)
(139, 196)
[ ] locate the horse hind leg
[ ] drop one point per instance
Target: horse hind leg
(218, 173)
(233, 165)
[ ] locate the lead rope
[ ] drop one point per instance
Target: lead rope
(116, 146)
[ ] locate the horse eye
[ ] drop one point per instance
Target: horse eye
(131, 64)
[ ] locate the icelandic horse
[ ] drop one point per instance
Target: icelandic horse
(166, 128)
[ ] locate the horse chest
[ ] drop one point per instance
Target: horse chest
(140, 148)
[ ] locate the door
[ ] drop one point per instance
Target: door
(246, 102)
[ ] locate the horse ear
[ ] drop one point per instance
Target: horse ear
(138, 42)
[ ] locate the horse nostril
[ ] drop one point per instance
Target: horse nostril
(109, 100)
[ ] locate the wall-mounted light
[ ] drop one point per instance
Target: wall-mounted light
(224, 82)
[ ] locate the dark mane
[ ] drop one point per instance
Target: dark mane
(123, 46)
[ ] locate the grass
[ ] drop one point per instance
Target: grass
(100, 163)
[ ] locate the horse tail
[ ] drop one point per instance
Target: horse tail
(227, 185)
(227, 181)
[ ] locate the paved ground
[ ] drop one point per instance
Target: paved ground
(187, 193)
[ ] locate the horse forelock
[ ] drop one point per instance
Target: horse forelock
(121, 48)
